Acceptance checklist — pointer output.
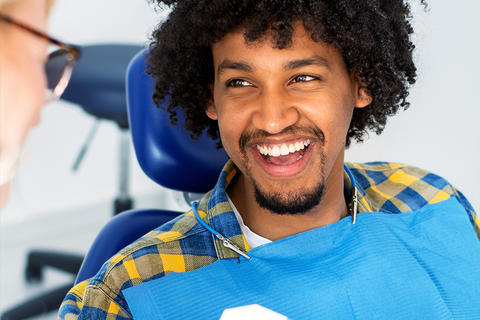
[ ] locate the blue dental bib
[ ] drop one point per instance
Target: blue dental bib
(416, 265)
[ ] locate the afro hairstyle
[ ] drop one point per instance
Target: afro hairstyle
(372, 36)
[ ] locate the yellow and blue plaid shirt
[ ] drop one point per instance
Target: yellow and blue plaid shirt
(183, 244)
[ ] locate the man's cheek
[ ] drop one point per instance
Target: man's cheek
(229, 144)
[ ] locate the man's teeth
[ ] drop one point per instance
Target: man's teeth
(283, 149)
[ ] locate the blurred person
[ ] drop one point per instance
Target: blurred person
(34, 69)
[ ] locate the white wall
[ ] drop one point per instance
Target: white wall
(439, 132)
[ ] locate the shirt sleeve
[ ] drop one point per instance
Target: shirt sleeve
(78, 305)
(471, 212)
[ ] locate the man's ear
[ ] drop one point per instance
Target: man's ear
(362, 96)
(211, 111)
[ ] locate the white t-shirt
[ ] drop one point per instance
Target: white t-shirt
(253, 239)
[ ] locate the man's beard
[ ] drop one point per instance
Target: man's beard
(290, 202)
(297, 202)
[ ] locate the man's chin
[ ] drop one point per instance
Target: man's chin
(290, 202)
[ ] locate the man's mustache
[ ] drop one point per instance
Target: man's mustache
(248, 136)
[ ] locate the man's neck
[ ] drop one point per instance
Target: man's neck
(331, 208)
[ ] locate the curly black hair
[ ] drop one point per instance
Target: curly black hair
(373, 37)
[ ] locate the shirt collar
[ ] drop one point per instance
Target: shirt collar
(364, 205)
(220, 215)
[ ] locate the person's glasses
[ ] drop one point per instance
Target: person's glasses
(60, 61)
(58, 68)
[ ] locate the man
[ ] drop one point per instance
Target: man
(287, 85)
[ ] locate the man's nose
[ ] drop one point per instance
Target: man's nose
(274, 112)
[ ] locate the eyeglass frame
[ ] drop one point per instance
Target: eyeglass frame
(73, 52)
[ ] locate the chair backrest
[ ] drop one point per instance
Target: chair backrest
(166, 154)
(98, 81)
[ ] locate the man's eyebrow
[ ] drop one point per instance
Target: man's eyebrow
(314, 60)
(228, 64)
(244, 66)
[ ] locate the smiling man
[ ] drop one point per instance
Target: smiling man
(290, 228)
(283, 116)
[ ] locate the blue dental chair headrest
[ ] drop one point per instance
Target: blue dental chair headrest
(166, 152)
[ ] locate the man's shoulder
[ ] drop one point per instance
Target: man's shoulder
(394, 187)
(180, 245)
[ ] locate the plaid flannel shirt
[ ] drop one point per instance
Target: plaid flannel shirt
(183, 244)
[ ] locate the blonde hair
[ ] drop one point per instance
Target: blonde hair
(5, 3)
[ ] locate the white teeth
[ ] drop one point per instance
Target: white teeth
(275, 151)
(283, 149)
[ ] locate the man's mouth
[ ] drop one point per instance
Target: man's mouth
(283, 154)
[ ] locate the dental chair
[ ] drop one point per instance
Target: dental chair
(167, 155)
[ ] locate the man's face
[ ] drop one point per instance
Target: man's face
(283, 115)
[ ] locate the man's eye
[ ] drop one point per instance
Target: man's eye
(238, 83)
(303, 78)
